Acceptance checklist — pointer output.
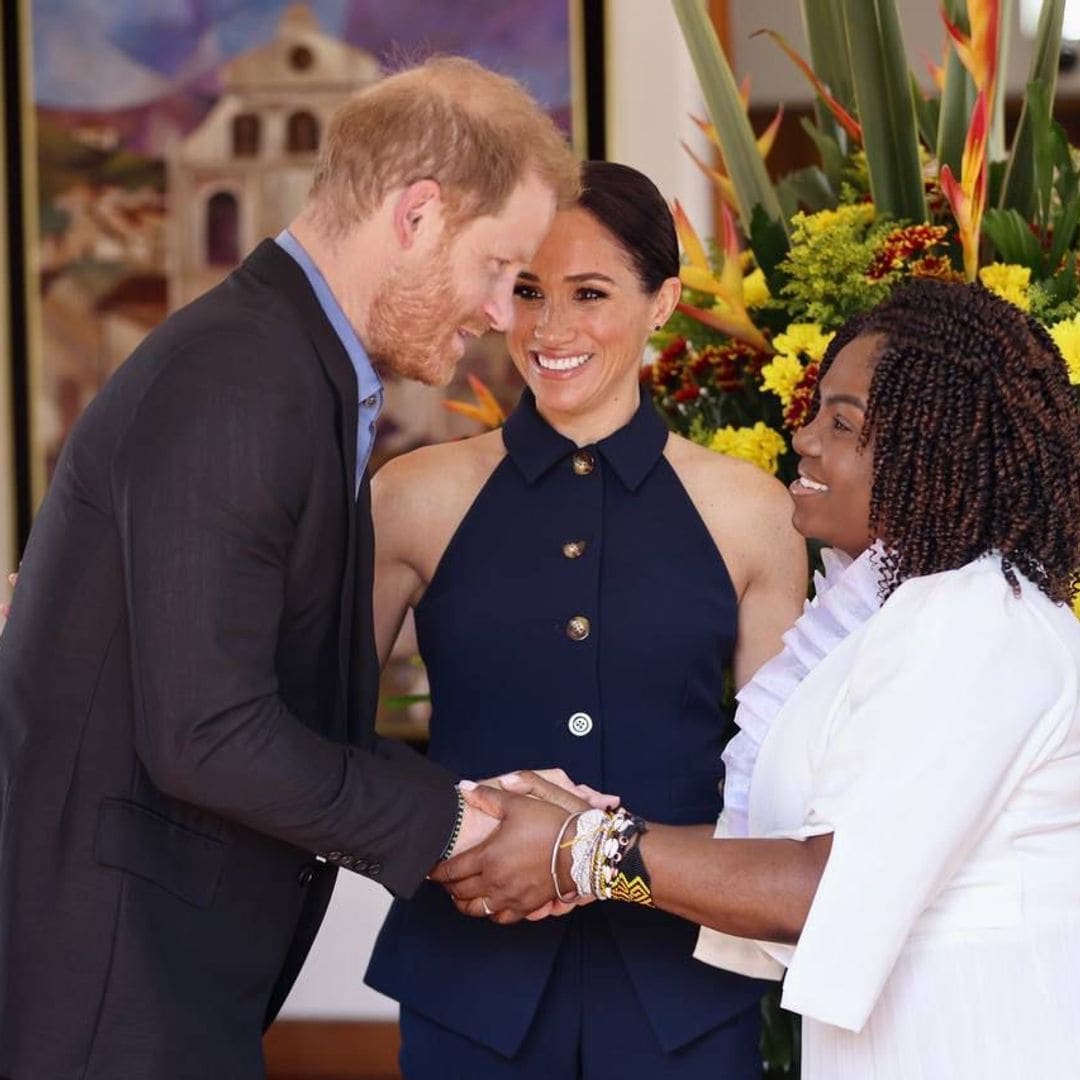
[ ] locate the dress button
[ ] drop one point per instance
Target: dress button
(580, 723)
(577, 629)
(574, 549)
(584, 462)
(305, 875)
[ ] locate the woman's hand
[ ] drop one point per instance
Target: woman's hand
(552, 785)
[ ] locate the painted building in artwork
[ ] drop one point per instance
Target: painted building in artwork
(245, 171)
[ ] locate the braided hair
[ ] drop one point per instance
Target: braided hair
(976, 437)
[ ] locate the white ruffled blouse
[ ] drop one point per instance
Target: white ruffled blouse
(938, 740)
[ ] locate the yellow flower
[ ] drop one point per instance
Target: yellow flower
(1009, 281)
(755, 290)
(823, 220)
(1066, 335)
(781, 375)
(806, 339)
(760, 444)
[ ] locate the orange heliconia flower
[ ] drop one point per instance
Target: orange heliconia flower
(968, 197)
(734, 320)
(486, 411)
(843, 117)
(978, 50)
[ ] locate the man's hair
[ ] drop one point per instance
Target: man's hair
(476, 133)
(976, 437)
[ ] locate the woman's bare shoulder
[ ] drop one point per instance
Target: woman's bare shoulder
(418, 499)
(719, 479)
(442, 468)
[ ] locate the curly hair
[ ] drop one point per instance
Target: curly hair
(976, 438)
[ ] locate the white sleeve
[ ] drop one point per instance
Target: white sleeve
(958, 690)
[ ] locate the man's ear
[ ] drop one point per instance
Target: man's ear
(416, 209)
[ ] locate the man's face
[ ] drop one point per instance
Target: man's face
(421, 319)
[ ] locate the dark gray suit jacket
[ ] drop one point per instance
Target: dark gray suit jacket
(187, 688)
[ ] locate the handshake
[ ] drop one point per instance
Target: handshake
(519, 854)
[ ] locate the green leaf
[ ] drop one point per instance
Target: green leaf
(1042, 144)
(927, 112)
(879, 71)
(832, 157)
(806, 189)
(823, 21)
(995, 147)
(737, 145)
(1018, 190)
(769, 244)
(1062, 287)
(1066, 177)
(1064, 224)
(1013, 239)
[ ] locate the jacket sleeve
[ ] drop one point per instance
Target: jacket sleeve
(209, 481)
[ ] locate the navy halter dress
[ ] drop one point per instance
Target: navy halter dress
(580, 617)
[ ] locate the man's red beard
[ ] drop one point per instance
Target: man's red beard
(414, 321)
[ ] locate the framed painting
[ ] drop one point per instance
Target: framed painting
(158, 143)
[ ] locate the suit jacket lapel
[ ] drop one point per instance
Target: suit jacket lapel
(276, 267)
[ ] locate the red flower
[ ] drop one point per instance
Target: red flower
(798, 410)
(904, 244)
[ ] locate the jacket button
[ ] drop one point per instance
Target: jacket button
(584, 461)
(577, 629)
(580, 724)
(574, 549)
(305, 875)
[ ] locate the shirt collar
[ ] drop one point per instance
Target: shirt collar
(535, 446)
(368, 382)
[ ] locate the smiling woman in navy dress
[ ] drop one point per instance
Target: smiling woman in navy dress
(582, 582)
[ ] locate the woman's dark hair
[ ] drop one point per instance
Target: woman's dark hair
(976, 437)
(629, 205)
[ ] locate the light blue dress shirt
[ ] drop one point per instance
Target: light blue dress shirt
(368, 384)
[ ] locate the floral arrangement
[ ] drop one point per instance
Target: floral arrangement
(912, 182)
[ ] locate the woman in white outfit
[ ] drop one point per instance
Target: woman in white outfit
(909, 847)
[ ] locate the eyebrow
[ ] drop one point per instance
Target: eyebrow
(591, 275)
(846, 399)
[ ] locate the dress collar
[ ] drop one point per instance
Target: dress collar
(535, 446)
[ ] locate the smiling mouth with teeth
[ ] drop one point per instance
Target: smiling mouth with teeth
(811, 485)
(560, 363)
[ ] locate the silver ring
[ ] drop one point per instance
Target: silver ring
(484, 904)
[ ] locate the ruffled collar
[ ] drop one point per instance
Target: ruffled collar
(845, 596)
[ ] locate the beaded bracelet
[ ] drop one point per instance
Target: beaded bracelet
(618, 869)
(589, 825)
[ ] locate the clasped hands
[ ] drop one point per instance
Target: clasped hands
(508, 875)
